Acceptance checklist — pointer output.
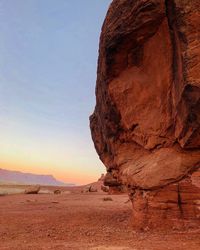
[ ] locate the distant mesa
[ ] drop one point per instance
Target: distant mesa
(17, 177)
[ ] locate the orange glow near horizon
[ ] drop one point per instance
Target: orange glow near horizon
(66, 175)
(74, 162)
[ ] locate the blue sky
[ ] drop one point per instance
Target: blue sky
(48, 60)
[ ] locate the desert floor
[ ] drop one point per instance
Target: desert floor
(80, 221)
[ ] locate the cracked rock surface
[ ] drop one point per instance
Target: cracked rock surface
(146, 123)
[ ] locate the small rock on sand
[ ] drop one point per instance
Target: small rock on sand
(32, 189)
(107, 199)
(57, 191)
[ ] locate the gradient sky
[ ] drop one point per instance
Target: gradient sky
(48, 60)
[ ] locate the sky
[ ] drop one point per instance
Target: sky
(48, 64)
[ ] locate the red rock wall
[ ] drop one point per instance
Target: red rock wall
(146, 123)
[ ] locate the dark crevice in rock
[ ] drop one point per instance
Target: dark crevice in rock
(179, 200)
(187, 96)
(177, 60)
(191, 103)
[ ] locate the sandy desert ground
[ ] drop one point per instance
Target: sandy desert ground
(80, 221)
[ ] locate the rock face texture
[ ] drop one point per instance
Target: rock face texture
(146, 123)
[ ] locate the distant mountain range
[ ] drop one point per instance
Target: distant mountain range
(17, 177)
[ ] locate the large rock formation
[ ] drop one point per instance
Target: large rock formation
(146, 123)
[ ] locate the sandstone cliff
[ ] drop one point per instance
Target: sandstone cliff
(146, 123)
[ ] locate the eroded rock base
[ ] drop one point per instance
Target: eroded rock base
(174, 206)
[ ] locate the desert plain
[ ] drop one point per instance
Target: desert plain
(74, 220)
